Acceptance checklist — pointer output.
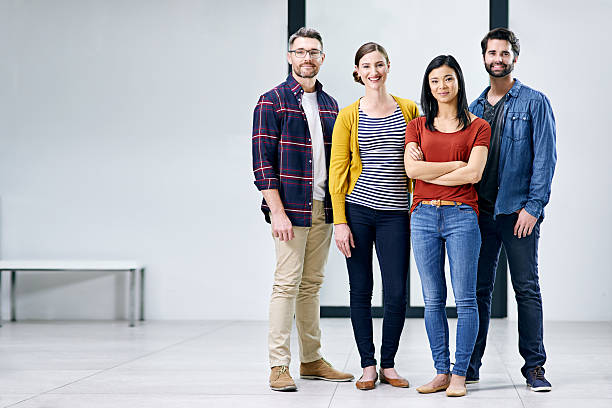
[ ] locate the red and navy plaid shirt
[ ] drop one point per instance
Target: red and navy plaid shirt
(282, 149)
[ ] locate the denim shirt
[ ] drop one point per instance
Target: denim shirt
(528, 150)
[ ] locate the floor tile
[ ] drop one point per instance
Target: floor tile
(225, 364)
(551, 401)
(120, 381)
(10, 399)
(37, 381)
(293, 400)
(423, 401)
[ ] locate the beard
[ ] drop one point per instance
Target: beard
(299, 73)
(507, 69)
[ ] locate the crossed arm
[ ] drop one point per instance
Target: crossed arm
(452, 173)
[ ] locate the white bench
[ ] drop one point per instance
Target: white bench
(131, 267)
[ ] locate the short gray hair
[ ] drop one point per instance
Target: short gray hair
(306, 33)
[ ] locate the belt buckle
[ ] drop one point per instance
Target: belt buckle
(436, 203)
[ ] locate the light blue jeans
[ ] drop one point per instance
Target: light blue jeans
(456, 228)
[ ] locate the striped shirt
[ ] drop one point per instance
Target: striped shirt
(382, 184)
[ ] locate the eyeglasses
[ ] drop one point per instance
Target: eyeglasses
(301, 53)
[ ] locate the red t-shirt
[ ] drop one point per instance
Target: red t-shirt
(444, 147)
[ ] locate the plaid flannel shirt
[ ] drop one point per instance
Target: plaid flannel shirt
(282, 149)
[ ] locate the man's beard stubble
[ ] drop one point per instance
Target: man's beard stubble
(297, 72)
(506, 71)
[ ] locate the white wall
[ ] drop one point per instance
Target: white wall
(125, 133)
(563, 54)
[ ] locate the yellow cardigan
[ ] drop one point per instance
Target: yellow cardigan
(345, 163)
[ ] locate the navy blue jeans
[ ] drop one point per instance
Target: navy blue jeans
(389, 232)
(456, 228)
(523, 261)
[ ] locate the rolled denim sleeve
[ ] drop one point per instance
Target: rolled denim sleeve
(544, 156)
(266, 137)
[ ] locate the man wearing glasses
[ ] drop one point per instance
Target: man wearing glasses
(292, 130)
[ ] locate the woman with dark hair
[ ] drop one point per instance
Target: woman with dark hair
(446, 153)
(369, 191)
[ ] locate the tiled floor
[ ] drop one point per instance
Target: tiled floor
(224, 364)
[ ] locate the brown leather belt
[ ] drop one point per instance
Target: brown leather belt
(438, 203)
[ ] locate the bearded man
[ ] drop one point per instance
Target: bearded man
(514, 189)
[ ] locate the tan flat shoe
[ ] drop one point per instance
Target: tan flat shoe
(456, 393)
(396, 382)
(366, 385)
(426, 389)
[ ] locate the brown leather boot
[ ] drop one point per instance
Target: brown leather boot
(280, 379)
(322, 370)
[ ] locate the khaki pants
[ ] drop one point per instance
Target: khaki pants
(297, 280)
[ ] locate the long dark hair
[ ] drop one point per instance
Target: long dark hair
(430, 104)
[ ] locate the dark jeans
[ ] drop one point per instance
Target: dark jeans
(389, 232)
(523, 261)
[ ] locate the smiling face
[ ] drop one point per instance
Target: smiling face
(373, 69)
(306, 67)
(443, 84)
(499, 59)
